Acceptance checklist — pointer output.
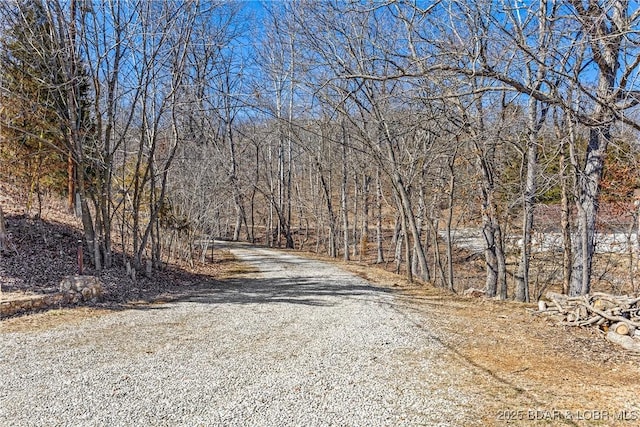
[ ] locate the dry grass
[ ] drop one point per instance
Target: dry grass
(231, 267)
(42, 321)
(538, 364)
(523, 362)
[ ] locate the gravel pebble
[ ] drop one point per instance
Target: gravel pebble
(302, 343)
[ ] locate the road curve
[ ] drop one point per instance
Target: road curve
(299, 343)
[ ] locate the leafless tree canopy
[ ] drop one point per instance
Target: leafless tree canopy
(415, 134)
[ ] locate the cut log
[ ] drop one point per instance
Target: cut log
(613, 318)
(623, 328)
(603, 304)
(558, 301)
(624, 341)
(619, 315)
(582, 313)
(556, 297)
(592, 321)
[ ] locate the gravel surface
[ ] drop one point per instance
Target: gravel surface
(300, 343)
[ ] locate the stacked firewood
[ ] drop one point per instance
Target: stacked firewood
(618, 316)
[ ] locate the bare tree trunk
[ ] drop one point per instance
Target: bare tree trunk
(565, 216)
(407, 212)
(491, 260)
(434, 223)
(494, 251)
(588, 195)
(343, 199)
(71, 183)
(407, 250)
(528, 200)
(356, 208)
(599, 24)
(397, 241)
(99, 240)
(587, 192)
(3, 232)
(422, 207)
(364, 235)
(271, 223)
(448, 229)
(637, 257)
(333, 252)
(502, 262)
(252, 198)
(485, 148)
(238, 198)
(404, 204)
(379, 237)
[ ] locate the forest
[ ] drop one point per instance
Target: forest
(377, 131)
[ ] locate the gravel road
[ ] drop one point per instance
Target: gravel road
(299, 343)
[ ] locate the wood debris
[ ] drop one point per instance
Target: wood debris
(618, 315)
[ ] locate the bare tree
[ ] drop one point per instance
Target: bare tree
(534, 27)
(279, 63)
(53, 44)
(3, 232)
(593, 42)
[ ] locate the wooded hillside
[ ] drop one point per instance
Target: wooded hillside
(370, 131)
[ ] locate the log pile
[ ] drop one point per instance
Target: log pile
(618, 316)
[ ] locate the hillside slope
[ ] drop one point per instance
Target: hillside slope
(44, 250)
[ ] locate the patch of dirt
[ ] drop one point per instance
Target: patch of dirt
(46, 320)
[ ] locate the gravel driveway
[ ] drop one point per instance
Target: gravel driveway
(300, 343)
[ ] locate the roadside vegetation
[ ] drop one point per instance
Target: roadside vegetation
(365, 131)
